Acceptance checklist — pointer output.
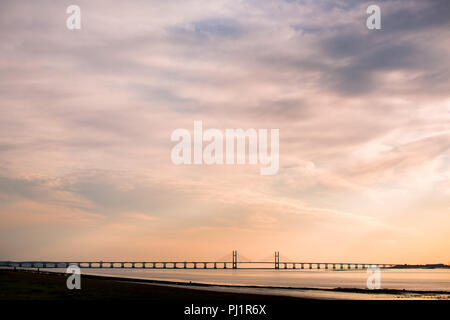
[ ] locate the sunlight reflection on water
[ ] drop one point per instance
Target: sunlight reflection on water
(409, 279)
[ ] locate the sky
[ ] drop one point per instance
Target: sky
(363, 115)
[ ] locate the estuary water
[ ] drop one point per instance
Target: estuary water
(296, 282)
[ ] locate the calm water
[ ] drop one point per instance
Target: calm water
(409, 279)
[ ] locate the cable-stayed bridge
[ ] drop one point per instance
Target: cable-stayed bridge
(235, 263)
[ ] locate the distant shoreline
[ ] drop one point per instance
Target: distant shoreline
(421, 266)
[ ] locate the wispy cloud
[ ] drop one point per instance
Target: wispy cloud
(86, 117)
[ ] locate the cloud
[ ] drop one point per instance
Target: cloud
(213, 28)
(86, 118)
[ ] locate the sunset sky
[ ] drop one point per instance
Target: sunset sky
(86, 118)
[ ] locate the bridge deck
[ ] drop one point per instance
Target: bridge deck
(194, 265)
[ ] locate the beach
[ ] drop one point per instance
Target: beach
(50, 285)
(26, 285)
(44, 292)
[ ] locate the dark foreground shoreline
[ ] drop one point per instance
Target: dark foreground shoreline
(33, 285)
(43, 285)
(24, 291)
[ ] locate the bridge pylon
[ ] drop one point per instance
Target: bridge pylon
(234, 259)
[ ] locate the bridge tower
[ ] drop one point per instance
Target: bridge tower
(277, 260)
(234, 259)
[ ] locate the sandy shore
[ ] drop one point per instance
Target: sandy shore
(30, 284)
(45, 293)
(25, 285)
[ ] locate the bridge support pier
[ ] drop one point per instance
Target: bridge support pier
(195, 265)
